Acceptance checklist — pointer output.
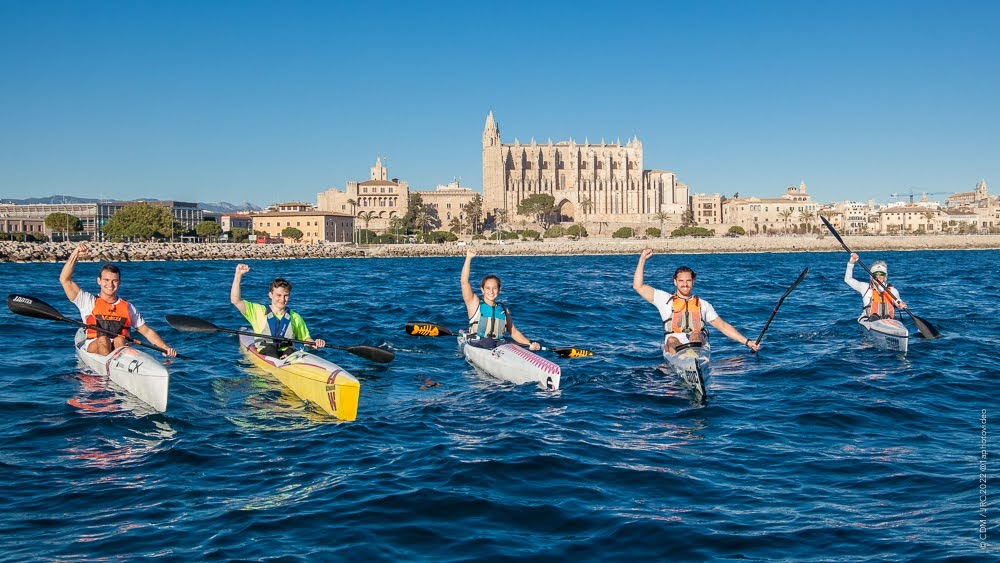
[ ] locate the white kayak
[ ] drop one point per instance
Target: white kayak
(511, 362)
(692, 363)
(130, 368)
(888, 334)
(312, 378)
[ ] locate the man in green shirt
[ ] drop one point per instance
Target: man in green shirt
(275, 320)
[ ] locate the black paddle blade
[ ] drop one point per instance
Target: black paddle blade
(571, 352)
(373, 353)
(191, 324)
(32, 307)
(833, 231)
(427, 329)
(926, 329)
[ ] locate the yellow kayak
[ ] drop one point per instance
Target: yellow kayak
(312, 378)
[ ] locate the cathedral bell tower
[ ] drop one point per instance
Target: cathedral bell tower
(493, 175)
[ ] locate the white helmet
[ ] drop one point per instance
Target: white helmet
(879, 266)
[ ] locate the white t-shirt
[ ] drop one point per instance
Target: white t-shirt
(664, 304)
(85, 303)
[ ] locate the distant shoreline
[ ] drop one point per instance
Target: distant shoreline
(131, 252)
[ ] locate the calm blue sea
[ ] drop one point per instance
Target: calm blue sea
(818, 448)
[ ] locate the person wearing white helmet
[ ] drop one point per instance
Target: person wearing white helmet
(878, 297)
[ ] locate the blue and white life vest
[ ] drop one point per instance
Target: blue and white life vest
(490, 320)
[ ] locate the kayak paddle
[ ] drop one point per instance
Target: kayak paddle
(776, 307)
(926, 329)
(194, 324)
(36, 308)
(431, 329)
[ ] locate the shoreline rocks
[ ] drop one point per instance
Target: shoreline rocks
(132, 252)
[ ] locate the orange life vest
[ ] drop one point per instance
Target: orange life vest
(109, 316)
(686, 316)
(882, 303)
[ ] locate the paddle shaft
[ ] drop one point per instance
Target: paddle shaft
(33, 307)
(778, 306)
(431, 329)
(194, 324)
(270, 337)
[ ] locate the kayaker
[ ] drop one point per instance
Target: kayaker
(106, 310)
(683, 314)
(276, 320)
(489, 318)
(879, 299)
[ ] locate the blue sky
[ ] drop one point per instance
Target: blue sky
(275, 101)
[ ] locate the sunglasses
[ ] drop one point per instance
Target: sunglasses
(879, 274)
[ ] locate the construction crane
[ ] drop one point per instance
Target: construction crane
(911, 192)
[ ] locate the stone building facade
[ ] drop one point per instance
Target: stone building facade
(708, 209)
(899, 219)
(449, 202)
(378, 198)
(794, 211)
(316, 226)
(95, 215)
(590, 182)
(14, 226)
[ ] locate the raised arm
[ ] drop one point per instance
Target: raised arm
(234, 293)
(638, 283)
(856, 285)
(66, 276)
(468, 295)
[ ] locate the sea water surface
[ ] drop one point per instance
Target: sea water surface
(820, 447)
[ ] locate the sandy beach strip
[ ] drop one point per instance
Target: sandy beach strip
(125, 252)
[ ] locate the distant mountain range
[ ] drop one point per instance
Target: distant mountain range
(220, 207)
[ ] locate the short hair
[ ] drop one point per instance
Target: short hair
(110, 268)
(487, 277)
(280, 282)
(682, 269)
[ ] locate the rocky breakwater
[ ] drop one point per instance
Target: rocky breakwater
(127, 252)
(124, 252)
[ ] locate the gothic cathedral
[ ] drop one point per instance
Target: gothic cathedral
(590, 182)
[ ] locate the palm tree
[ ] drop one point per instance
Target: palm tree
(456, 225)
(354, 205)
(785, 214)
(586, 206)
(806, 217)
(422, 219)
(661, 216)
(366, 216)
(929, 215)
(396, 223)
(474, 211)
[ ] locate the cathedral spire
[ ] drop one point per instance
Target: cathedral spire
(491, 124)
(491, 133)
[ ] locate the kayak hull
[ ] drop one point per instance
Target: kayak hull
(887, 334)
(513, 363)
(312, 378)
(692, 364)
(130, 368)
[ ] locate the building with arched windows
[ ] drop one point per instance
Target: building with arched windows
(377, 199)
